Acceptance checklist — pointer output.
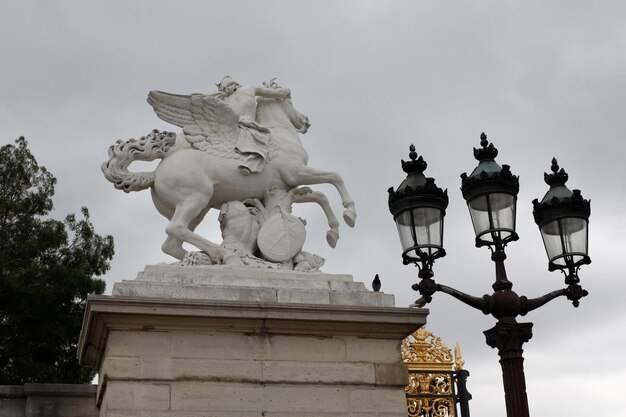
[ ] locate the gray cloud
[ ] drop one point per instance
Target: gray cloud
(542, 79)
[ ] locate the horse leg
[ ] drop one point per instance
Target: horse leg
(172, 246)
(318, 197)
(186, 217)
(307, 175)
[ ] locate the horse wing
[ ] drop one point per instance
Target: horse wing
(218, 120)
(173, 108)
(203, 118)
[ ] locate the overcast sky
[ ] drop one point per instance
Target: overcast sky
(540, 78)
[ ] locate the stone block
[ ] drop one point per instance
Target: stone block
(216, 276)
(61, 407)
(12, 407)
(259, 282)
(48, 400)
(213, 345)
(391, 374)
(170, 273)
(171, 413)
(379, 400)
(340, 285)
(138, 343)
(368, 299)
(204, 369)
(121, 367)
(156, 369)
(12, 401)
(262, 346)
(212, 396)
(389, 300)
(303, 297)
(316, 372)
(193, 291)
(303, 398)
(300, 414)
(307, 349)
(373, 350)
(266, 295)
(242, 284)
(137, 395)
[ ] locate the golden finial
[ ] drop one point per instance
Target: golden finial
(458, 359)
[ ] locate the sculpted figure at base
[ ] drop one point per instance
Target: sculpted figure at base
(278, 247)
(239, 151)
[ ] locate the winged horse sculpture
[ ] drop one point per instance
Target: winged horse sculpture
(235, 145)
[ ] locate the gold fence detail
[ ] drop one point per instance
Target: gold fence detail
(430, 389)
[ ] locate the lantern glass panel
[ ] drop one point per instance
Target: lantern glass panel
(493, 213)
(420, 229)
(565, 240)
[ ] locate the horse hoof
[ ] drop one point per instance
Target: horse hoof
(332, 237)
(349, 216)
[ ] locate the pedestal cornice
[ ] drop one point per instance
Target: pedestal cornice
(106, 313)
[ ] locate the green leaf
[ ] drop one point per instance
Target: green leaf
(47, 269)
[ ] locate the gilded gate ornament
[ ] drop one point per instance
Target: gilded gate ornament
(430, 389)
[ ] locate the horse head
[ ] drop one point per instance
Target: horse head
(276, 112)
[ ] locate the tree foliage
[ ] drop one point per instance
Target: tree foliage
(47, 269)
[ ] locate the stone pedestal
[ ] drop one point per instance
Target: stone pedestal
(221, 342)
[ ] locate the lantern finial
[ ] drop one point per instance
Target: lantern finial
(488, 152)
(558, 175)
(417, 165)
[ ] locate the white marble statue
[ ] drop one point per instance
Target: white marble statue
(239, 151)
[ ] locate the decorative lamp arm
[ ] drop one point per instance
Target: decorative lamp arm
(484, 303)
(573, 292)
(534, 303)
(427, 287)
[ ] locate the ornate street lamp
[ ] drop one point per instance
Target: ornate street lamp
(491, 195)
(418, 207)
(563, 217)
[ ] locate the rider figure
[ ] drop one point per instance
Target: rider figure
(253, 138)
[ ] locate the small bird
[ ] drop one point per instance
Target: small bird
(376, 284)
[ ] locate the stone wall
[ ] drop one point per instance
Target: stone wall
(251, 375)
(48, 400)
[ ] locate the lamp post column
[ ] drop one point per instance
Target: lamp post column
(508, 337)
(418, 207)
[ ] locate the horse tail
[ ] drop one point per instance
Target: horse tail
(153, 146)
